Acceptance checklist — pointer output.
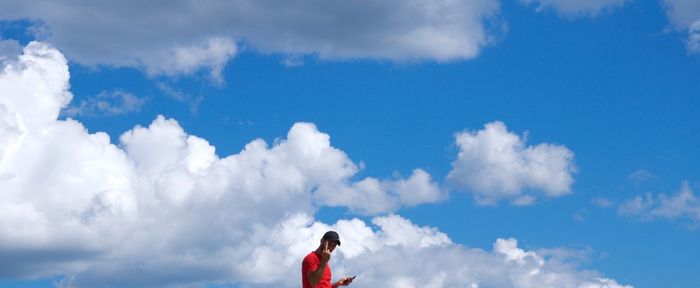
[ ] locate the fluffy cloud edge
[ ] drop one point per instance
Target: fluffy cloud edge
(182, 44)
(576, 8)
(107, 103)
(495, 164)
(683, 206)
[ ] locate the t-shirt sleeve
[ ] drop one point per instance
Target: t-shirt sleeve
(310, 264)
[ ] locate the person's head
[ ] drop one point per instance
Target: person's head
(332, 238)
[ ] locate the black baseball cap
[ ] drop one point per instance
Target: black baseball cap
(332, 235)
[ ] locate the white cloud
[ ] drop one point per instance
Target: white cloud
(39, 103)
(684, 205)
(573, 8)
(372, 196)
(641, 175)
(506, 266)
(172, 92)
(108, 103)
(184, 36)
(212, 53)
(693, 43)
(602, 202)
(495, 164)
(685, 16)
(391, 255)
(163, 210)
(682, 13)
(63, 190)
(293, 61)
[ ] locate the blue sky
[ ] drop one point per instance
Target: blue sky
(553, 143)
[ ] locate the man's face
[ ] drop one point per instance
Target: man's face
(331, 244)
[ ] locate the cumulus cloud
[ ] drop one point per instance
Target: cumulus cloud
(495, 164)
(682, 206)
(184, 36)
(108, 103)
(574, 8)
(162, 209)
(56, 179)
(371, 195)
(393, 254)
(390, 254)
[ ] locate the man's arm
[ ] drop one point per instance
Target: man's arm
(343, 282)
(316, 275)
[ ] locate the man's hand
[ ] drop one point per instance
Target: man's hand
(316, 275)
(344, 281)
(326, 253)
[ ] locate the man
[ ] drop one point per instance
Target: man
(315, 269)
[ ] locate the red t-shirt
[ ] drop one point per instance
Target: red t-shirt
(311, 263)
